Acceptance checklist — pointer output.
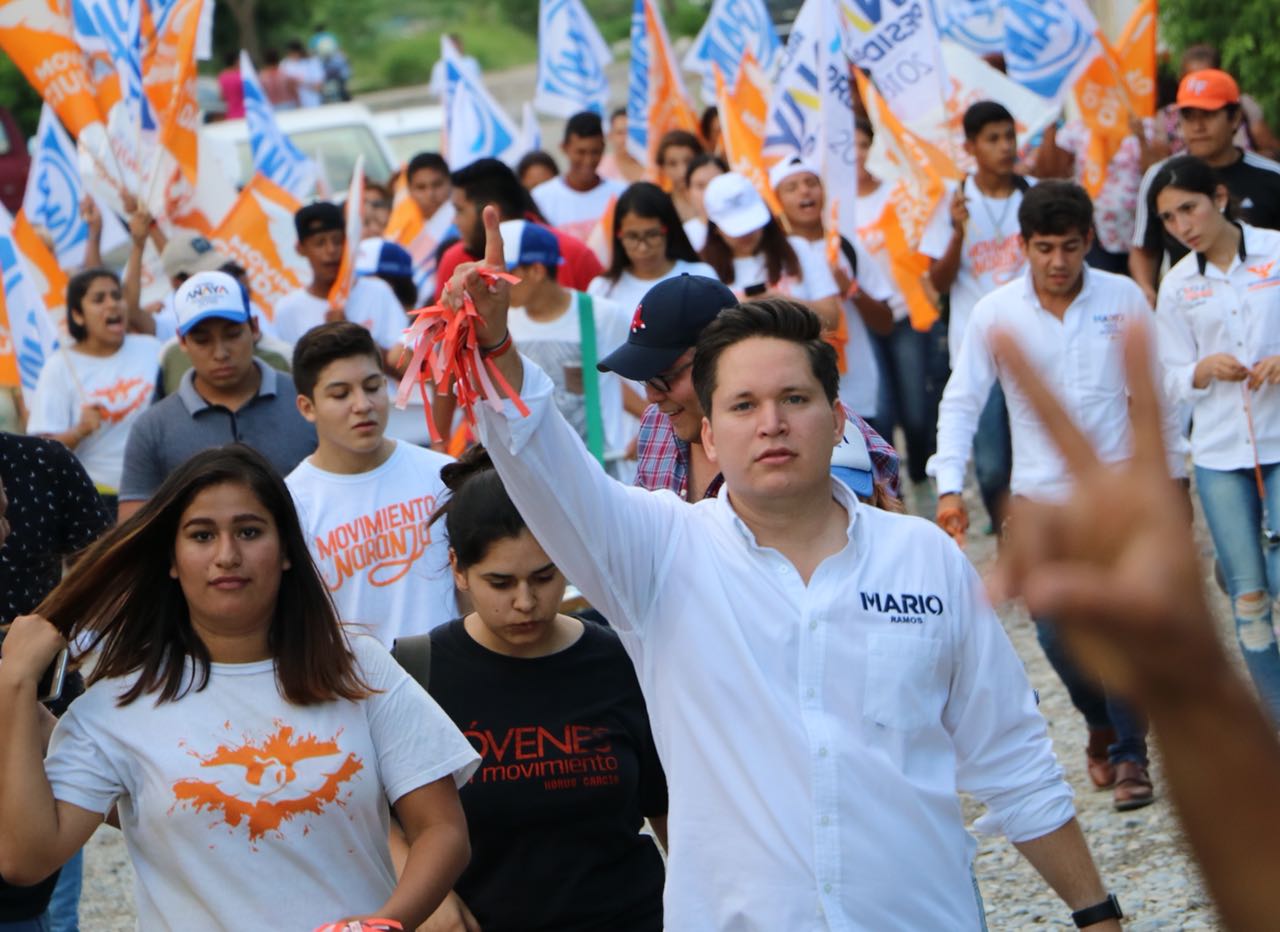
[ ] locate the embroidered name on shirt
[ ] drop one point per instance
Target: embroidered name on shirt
(1110, 325)
(1194, 293)
(903, 608)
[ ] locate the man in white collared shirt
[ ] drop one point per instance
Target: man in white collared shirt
(817, 701)
(1070, 320)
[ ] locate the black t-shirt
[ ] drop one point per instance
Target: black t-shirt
(1254, 184)
(54, 510)
(569, 772)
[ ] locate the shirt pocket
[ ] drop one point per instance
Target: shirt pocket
(903, 688)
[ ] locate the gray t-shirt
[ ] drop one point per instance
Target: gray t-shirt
(184, 424)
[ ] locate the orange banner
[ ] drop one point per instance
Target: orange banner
(669, 106)
(49, 278)
(169, 79)
(346, 279)
(918, 190)
(1104, 108)
(742, 118)
(261, 218)
(36, 35)
(1136, 54)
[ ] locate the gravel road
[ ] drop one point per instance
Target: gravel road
(1141, 854)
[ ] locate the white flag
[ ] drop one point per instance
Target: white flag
(732, 27)
(978, 25)
(32, 335)
(897, 46)
(836, 150)
(530, 131)
(274, 155)
(53, 195)
(1048, 44)
(475, 126)
(572, 57)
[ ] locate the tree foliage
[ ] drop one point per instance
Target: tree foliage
(1244, 31)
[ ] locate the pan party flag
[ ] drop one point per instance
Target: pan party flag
(274, 154)
(341, 288)
(27, 334)
(572, 57)
(1136, 53)
(734, 29)
(742, 116)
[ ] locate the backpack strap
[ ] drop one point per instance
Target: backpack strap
(590, 376)
(413, 653)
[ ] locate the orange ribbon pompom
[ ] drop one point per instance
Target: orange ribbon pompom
(446, 350)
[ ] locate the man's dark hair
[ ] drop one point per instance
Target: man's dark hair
(983, 114)
(709, 115)
(864, 126)
(432, 160)
(295, 45)
(584, 125)
(1055, 208)
(328, 343)
(533, 159)
(490, 181)
(615, 113)
(778, 318)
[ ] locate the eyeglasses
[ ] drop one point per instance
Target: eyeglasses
(662, 383)
(648, 237)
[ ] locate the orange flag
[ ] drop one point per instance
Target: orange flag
(346, 279)
(1136, 54)
(669, 106)
(253, 232)
(169, 80)
(49, 278)
(742, 118)
(916, 194)
(36, 35)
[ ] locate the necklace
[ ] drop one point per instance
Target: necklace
(997, 222)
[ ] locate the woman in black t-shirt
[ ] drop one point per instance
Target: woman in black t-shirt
(569, 770)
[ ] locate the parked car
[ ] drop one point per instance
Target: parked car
(15, 162)
(411, 130)
(333, 135)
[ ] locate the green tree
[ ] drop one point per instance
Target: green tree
(1242, 30)
(19, 96)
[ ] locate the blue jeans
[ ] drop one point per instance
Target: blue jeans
(1099, 709)
(993, 454)
(913, 372)
(64, 908)
(1251, 567)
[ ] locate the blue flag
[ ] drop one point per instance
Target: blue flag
(572, 57)
(274, 154)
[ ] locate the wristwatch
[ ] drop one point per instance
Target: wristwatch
(1099, 912)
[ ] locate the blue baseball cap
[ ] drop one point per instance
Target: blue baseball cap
(207, 295)
(526, 243)
(382, 257)
(667, 322)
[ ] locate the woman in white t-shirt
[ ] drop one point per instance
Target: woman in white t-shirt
(752, 255)
(649, 246)
(249, 745)
(90, 393)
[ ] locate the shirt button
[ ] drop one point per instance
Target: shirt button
(826, 820)
(826, 888)
(813, 625)
(809, 693)
(822, 752)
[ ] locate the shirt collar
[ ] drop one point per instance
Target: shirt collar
(1202, 260)
(194, 401)
(839, 491)
(1029, 288)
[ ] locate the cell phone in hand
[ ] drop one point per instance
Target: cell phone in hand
(51, 683)
(752, 290)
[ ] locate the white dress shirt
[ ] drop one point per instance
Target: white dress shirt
(1080, 357)
(1202, 311)
(814, 736)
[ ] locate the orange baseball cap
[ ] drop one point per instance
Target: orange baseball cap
(1209, 89)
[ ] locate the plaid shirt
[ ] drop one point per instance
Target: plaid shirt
(663, 458)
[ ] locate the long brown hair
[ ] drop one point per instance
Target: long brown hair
(120, 597)
(779, 257)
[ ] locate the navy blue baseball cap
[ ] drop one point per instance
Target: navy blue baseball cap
(382, 257)
(667, 322)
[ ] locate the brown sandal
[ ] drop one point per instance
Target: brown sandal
(1133, 786)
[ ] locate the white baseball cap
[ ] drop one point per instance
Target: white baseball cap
(851, 462)
(734, 205)
(206, 295)
(791, 165)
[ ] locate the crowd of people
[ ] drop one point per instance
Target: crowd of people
(781, 674)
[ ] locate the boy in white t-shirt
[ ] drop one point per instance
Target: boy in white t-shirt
(575, 201)
(547, 321)
(322, 238)
(366, 501)
(972, 239)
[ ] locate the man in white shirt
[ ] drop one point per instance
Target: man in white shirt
(1070, 320)
(575, 201)
(307, 73)
(364, 500)
(822, 676)
(551, 324)
(322, 238)
(973, 242)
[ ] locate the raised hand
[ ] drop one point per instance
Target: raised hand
(492, 300)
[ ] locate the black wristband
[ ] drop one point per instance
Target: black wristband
(1099, 912)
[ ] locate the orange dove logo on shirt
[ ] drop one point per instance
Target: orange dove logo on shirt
(273, 778)
(120, 399)
(1262, 271)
